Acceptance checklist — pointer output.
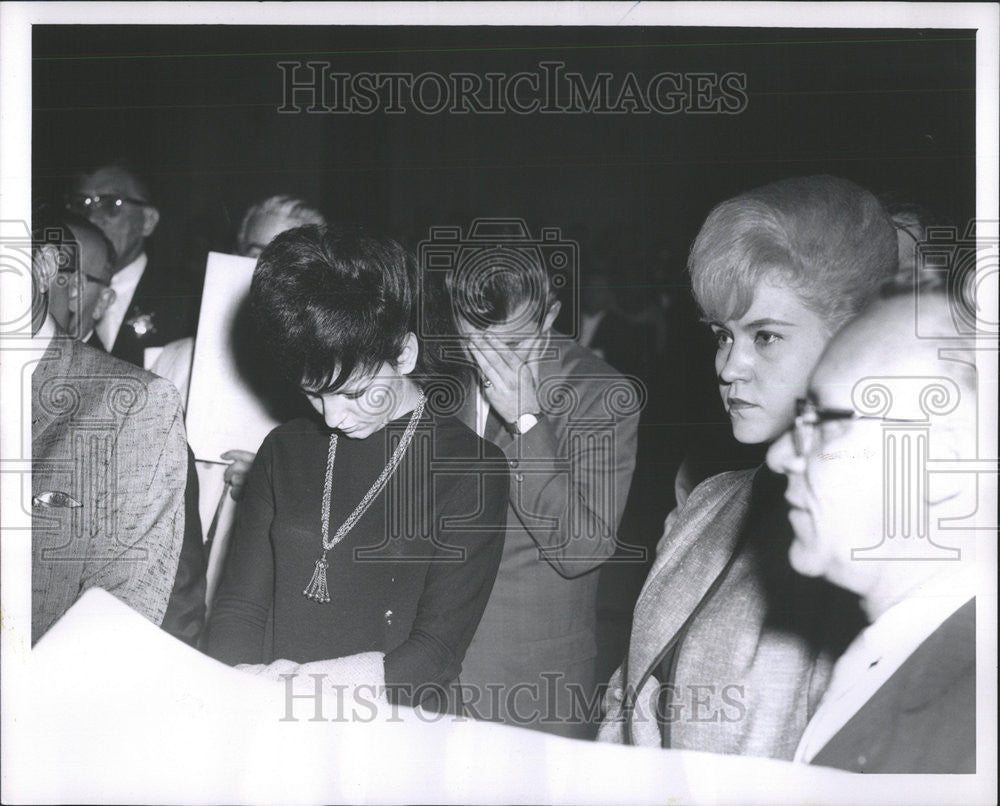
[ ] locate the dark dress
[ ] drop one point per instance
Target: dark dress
(411, 579)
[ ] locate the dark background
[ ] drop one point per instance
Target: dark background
(196, 108)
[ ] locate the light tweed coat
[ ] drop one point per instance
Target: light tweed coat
(754, 647)
(111, 438)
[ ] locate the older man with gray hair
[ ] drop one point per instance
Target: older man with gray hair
(886, 403)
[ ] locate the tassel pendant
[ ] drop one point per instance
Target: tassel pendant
(317, 589)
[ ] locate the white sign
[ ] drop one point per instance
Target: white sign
(228, 407)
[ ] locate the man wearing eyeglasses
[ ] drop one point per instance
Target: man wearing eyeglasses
(870, 515)
(110, 465)
(82, 293)
(150, 307)
(78, 295)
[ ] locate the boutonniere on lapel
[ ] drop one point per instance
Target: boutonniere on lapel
(141, 323)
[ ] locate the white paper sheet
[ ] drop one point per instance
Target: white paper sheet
(121, 712)
(225, 410)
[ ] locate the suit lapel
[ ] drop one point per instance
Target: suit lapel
(128, 345)
(496, 431)
(56, 362)
(941, 658)
(925, 678)
(467, 411)
(95, 342)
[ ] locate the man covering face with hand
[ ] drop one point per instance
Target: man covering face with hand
(566, 422)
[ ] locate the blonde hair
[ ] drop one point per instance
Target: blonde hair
(826, 237)
(280, 206)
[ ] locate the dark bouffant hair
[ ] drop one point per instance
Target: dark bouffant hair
(332, 301)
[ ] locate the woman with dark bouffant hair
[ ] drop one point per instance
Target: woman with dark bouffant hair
(373, 533)
(730, 649)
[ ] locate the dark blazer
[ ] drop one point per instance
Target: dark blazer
(923, 718)
(570, 478)
(109, 471)
(185, 616)
(163, 308)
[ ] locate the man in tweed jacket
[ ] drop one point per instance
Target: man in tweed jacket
(109, 468)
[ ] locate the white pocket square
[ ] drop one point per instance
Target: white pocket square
(55, 499)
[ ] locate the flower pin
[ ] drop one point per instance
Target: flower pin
(142, 324)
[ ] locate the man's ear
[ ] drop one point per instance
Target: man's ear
(150, 218)
(952, 441)
(550, 316)
(104, 301)
(408, 355)
(44, 267)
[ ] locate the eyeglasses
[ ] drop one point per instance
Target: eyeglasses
(110, 206)
(809, 417)
(69, 272)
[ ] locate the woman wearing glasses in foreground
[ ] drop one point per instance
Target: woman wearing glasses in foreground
(730, 649)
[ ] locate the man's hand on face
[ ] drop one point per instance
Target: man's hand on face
(508, 383)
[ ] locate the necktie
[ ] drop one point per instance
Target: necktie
(494, 426)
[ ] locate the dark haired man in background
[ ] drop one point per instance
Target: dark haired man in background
(567, 423)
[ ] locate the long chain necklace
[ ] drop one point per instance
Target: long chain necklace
(317, 589)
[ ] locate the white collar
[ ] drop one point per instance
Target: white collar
(925, 608)
(879, 651)
(131, 274)
(124, 284)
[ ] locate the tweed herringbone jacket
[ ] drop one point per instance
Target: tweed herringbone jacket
(109, 470)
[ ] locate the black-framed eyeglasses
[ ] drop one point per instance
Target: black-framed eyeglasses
(109, 205)
(68, 272)
(809, 417)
